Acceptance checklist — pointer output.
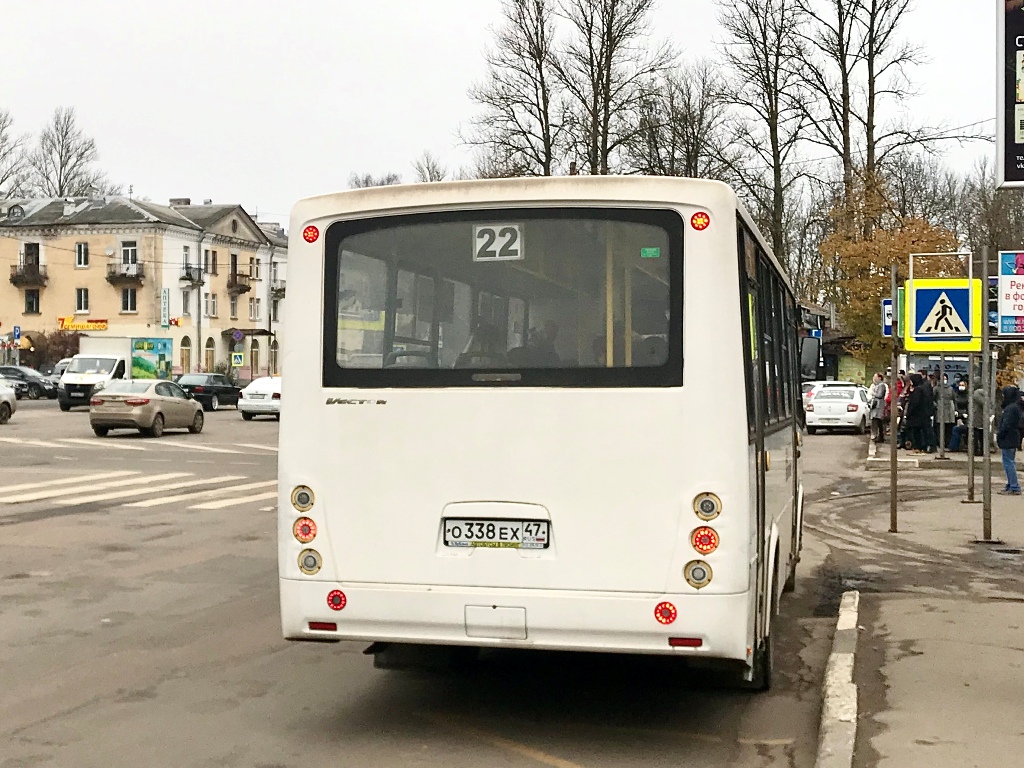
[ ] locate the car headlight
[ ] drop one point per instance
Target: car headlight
(98, 386)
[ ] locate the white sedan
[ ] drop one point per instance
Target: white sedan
(838, 407)
(8, 401)
(261, 397)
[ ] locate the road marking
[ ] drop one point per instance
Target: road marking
(254, 445)
(139, 491)
(54, 492)
(165, 444)
(501, 742)
(25, 441)
(101, 445)
(202, 494)
(232, 501)
(66, 481)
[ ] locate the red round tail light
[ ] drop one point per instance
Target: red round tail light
(310, 234)
(304, 530)
(700, 221)
(336, 600)
(704, 540)
(665, 613)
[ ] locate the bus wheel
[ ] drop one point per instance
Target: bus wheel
(764, 654)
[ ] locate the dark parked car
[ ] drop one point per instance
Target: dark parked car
(211, 389)
(37, 384)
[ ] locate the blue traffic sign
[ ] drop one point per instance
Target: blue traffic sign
(887, 317)
(17, 333)
(942, 313)
(815, 333)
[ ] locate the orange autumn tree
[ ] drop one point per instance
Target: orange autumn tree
(868, 240)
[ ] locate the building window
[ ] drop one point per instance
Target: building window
(213, 305)
(186, 302)
(128, 300)
(275, 307)
(272, 358)
(234, 307)
(81, 300)
(31, 255)
(206, 261)
(129, 252)
(273, 271)
(32, 301)
(254, 268)
(254, 359)
(81, 255)
(213, 262)
(186, 354)
(186, 256)
(209, 355)
(254, 309)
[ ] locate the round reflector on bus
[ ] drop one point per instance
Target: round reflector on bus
(302, 498)
(336, 600)
(665, 613)
(304, 530)
(704, 540)
(310, 561)
(697, 574)
(700, 221)
(707, 506)
(310, 234)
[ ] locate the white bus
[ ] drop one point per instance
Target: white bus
(554, 413)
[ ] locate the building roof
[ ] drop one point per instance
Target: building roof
(206, 215)
(51, 212)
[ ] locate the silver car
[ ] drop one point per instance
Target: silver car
(148, 405)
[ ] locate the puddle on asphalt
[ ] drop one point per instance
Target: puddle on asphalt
(833, 581)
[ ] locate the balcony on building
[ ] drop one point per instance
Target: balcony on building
(120, 273)
(28, 275)
(277, 286)
(239, 283)
(192, 273)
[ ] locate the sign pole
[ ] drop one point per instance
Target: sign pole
(986, 362)
(897, 329)
(970, 430)
(942, 418)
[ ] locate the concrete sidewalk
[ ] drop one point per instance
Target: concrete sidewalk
(940, 663)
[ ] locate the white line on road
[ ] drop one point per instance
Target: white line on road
(146, 490)
(66, 481)
(165, 444)
(233, 501)
(25, 441)
(101, 445)
(50, 493)
(202, 494)
(254, 445)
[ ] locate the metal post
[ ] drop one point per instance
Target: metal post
(894, 372)
(970, 429)
(986, 426)
(942, 399)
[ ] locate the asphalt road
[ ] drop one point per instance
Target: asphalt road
(139, 626)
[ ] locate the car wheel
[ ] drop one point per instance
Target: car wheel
(100, 431)
(246, 416)
(35, 392)
(5, 413)
(65, 407)
(812, 430)
(158, 426)
(197, 423)
(214, 403)
(862, 427)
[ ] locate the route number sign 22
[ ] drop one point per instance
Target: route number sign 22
(497, 242)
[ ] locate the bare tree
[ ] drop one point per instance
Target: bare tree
(62, 163)
(523, 114)
(764, 55)
(429, 168)
(12, 157)
(606, 68)
(681, 130)
(363, 180)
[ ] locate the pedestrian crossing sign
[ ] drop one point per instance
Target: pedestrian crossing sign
(944, 315)
(237, 359)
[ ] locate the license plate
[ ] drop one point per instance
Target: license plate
(255, 397)
(502, 534)
(78, 394)
(830, 420)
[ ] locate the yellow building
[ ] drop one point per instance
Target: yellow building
(206, 277)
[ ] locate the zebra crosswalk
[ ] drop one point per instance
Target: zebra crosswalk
(138, 445)
(139, 490)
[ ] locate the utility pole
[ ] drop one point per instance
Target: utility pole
(897, 329)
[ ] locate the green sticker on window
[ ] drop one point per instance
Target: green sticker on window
(650, 253)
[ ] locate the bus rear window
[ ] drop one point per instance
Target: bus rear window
(532, 296)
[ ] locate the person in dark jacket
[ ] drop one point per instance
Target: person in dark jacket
(1008, 438)
(918, 415)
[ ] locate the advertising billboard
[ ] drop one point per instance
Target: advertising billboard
(151, 358)
(1010, 121)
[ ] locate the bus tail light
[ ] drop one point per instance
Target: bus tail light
(304, 530)
(700, 221)
(323, 626)
(310, 234)
(665, 613)
(685, 642)
(707, 506)
(310, 561)
(851, 408)
(704, 540)
(697, 574)
(336, 600)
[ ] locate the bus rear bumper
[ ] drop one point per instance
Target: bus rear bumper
(530, 618)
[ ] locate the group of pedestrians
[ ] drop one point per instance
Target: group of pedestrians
(929, 411)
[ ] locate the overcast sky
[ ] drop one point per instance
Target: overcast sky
(263, 102)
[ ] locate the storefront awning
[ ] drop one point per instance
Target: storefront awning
(229, 332)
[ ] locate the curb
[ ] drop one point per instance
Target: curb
(837, 733)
